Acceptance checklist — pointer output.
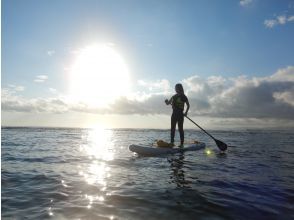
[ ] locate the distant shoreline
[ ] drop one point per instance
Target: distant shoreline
(156, 129)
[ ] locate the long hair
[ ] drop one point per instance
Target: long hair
(179, 88)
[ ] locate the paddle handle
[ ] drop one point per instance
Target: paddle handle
(200, 127)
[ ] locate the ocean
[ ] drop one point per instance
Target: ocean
(60, 173)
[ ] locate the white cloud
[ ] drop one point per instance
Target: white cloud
(241, 97)
(16, 88)
(283, 75)
(51, 52)
(270, 23)
(160, 86)
(286, 97)
(52, 90)
(216, 96)
(282, 19)
(245, 2)
(291, 18)
(110, 44)
(279, 20)
(40, 78)
(16, 103)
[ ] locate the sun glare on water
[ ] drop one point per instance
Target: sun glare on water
(98, 76)
(99, 148)
(98, 143)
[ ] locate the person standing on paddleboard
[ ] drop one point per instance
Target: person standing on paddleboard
(178, 102)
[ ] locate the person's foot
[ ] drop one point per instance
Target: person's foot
(181, 146)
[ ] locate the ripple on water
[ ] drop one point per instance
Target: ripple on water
(78, 173)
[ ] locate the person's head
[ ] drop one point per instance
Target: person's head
(179, 88)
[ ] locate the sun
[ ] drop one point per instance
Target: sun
(98, 76)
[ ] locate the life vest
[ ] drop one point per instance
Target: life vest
(178, 101)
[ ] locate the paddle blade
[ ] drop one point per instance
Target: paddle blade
(221, 145)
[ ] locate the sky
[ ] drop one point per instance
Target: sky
(112, 63)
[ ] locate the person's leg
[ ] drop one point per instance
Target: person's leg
(181, 128)
(173, 128)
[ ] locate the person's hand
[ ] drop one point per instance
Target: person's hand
(185, 114)
(166, 101)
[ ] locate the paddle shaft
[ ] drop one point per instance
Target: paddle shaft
(200, 128)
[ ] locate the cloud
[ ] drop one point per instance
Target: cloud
(262, 98)
(52, 90)
(40, 78)
(11, 102)
(154, 104)
(16, 88)
(160, 86)
(51, 52)
(286, 97)
(284, 75)
(279, 20)
(216, 96)
(243, 97)
(245, 2)
(291, 18)
(110, 44)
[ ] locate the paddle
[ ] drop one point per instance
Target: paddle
(221, 145)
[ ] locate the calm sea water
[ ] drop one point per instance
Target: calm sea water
(91, 174)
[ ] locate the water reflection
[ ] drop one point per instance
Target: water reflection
(99, 149)
(50, 213)
(99, 144)
(178, 173)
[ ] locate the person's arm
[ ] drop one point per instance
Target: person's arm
(168, 102)
(188, 107)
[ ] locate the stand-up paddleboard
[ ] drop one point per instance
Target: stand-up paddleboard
(157, 151)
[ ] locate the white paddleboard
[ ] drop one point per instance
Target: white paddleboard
(156, 151)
